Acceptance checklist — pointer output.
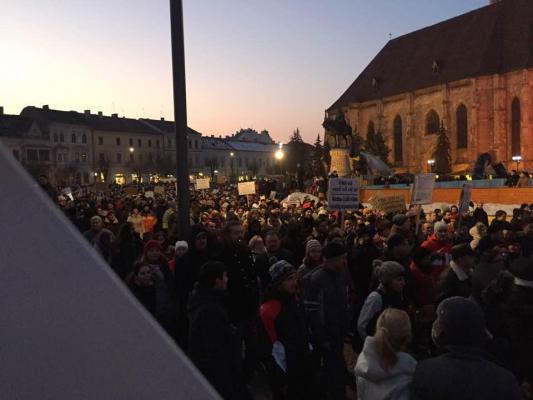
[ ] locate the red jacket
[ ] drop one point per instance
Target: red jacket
(442, 251)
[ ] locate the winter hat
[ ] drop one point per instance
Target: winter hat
(151, 244)
(181, 244)
(334, 249)
(440, 225)
(399, 219)
(463, 323)
(522, 270)
(387, 271)
(279, 271)
(312, 244)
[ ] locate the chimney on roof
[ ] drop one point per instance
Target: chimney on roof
(114, 115)
(45, 107)
(100, 113)
(162, 118)
(87, 112)
(1, 110)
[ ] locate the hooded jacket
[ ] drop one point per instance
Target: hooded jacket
(374, 382)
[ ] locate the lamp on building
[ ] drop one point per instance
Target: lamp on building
(431, 163)
(132, 149)
(517, 159)
(232, 155)
(279, 154)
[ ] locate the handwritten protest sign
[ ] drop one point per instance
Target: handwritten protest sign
(423, 189)
(202, 183)
(246, 188)
(388, 204)
(343, 194)
(149, 194)
(130, 191)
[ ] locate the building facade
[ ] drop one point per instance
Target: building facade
(472, 73)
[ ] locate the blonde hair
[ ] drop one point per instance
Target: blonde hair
(393, 333)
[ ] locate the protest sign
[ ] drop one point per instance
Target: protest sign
(68, 192)
(388, 204)
(149, 194)
(202, 183)
(423, 189)
(343, 194)
(159, 189)
(130, 191)
(466, 197)
(221, 179)
(273, 194)
(246, 188)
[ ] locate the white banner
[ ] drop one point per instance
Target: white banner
(423, 189)
(246, 188)
(202, 183)
(343, 194)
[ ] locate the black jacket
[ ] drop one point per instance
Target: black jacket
(212, 344)
(463, 374)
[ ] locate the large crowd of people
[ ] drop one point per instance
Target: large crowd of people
(437, 305)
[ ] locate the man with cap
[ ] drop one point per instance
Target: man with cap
(326, 308)
(289, 365)
(519, 319)
(389, 294)
(462, 372)
(457, 279)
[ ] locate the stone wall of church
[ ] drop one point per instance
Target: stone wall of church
(488, 103)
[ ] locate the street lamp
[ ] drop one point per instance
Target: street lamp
(232, 155)
(279, 154)
(132, 149)
(517, 159)
(430, 165)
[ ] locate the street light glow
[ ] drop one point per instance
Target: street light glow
(517, 158)
(431, 162)
(132, 149)
(279, 154)
(232, 154)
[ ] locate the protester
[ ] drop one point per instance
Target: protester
(462, 372)
(457, 279)
(383, 370)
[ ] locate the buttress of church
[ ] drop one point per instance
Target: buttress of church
(473, 73)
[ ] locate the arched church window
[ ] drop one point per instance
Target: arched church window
(462, 127)
(370, 129)
(432, 123)
(398, 140)
(515, 127)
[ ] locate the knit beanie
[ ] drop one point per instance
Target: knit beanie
(181, 244)
(279, 271)
(312, 244)
(387, 271)
(399, 219)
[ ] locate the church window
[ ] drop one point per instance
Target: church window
(398, 140)
(462, 127)
(515, 127)
(432, 123)
(370, 130)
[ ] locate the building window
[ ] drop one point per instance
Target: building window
(77, 157)
(140, 143)
(55, 137)
(157, 143)
(60, 158)
(239, 162)
(515, 127)
(151, 157)
(32, 155)
(246, 162)
(73, 138)
(169, 142)
(44, 155)
(100, 140)
(118, 141)
(370, 130)
(101, 157)
(462, 127)
(149, 143)
(119, 158)
(432, 123)
(140, 157)
(190, 144)
(16, 154)
(196, 144)
(61, 137)
(398, 140)
(131, 142)
(132, 157)
(84, 138)
(84, 157)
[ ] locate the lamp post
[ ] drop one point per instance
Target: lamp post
(279, 154)
(517, 159)
(232, 157)
(430, 165)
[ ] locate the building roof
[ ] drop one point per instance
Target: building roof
(14, 125)
(166, 127)
(491, 40)
(250, 135)
(215, 143)
(44, 116)
(119, 124)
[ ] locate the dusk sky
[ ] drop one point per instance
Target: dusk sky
(273, 64)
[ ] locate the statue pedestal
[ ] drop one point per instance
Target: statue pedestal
(340, 162)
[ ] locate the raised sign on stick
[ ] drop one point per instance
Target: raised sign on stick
(343, 194)
(423, 189)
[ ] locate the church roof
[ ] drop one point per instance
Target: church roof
(494, 39)
(14, 125)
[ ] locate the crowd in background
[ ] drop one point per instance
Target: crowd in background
(436, 305)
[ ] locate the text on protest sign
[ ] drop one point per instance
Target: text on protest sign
(423, 189)
(246, 188)
(343, 194)
(202, 183)
(388, 204)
